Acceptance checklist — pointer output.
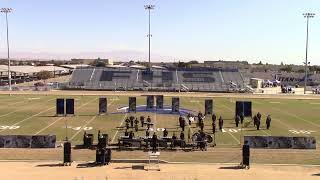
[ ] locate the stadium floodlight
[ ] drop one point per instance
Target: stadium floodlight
(6, 11)
(149, 8)
(308, 16)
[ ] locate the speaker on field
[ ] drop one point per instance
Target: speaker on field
(60, 106)
(159, 102)
(67, 153)
(175, 105)
(132, 104)
(208, 106)
(102, 105)
(103, 141)
(150, 102)
(244, 107)
(70, 106)
(246, 155)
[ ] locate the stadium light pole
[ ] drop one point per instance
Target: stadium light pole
(6, 11)
(308, 16)
(149, 8)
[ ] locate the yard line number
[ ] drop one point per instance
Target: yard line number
(80, 128)
(301, 131)
(9, 127)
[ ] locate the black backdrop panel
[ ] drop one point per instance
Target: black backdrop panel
(175, 104)
(60, 106)
(25, 141)
(102, 105)
(132, 104)
(70, 106)
(244, 107)
(150, 102)
(43, 141)
(208, 106)
(160, 102)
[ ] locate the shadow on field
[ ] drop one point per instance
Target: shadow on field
(318, 174)
(231, 167)
(124, 167)
(87, 165)
(50, 165)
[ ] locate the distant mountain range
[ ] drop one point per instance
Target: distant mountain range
(115, 55)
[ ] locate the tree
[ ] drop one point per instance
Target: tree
(301, 71)
(193, 62)
(281, 64)
(44, 75)
(260, 63)
(287, 68)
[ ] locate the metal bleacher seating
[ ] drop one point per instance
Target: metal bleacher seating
(206, 80)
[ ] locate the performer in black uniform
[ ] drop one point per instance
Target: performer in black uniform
(142, 120)
(213, 127)
(182, 135)
(268, 121)
(241, 117)
(165, 132)
(259, 116)
(220, 123)
(214, 117)
(154, 142)
(237, 120)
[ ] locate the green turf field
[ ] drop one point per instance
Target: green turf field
(35, 115)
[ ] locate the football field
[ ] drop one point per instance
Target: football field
(35, 115)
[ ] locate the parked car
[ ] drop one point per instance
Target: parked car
(39, 84)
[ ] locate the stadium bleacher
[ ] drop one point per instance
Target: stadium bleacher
(206, 80)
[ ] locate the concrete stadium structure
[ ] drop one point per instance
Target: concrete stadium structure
(183, 79)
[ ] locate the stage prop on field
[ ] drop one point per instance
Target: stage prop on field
(150, 102)
(70, 106)
(159, 102)
(244, 107)
(103, 105)
(208, 106)
(175, 105)
(60, 106)
(280, 142)
(25, 141)
(132, 104)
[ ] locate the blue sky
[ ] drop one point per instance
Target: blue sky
(271, 31)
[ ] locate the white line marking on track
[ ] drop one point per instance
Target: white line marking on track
(6, 105)
(124, 117)
(314, 103)
(271, 102)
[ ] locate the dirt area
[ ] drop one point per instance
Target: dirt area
(83, 171)
(169, 94)
(213, 155)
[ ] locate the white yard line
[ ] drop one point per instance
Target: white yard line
(29, 117)
(62, 118)
(93, 118)
(19, 109)
(6, 105)
(48, 126)
(234, 137)
(124, 117)
(295, 116)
